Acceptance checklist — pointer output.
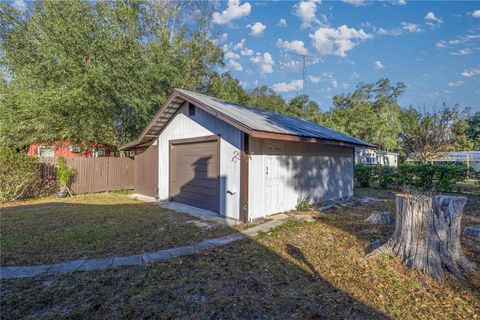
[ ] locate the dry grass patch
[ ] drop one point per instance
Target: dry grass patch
(51, 230)
(302, 270)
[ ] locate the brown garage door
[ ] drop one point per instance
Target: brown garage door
(146, 171)
(194, 172)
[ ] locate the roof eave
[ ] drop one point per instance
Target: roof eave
(297, 138)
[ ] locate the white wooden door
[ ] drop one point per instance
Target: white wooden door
(272, 178)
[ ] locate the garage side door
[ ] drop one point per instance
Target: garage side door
(146, 172)
(194, 173)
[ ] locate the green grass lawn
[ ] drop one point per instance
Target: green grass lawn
(302, 270)
(51, 230)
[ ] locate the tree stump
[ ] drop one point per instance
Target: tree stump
(381, 218)
(427, 235)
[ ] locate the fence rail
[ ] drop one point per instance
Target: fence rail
(92, 174)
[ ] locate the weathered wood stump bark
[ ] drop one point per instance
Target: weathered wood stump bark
(427, 235)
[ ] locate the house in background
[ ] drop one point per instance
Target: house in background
(68, 150)
(371, 157)
(237, 161)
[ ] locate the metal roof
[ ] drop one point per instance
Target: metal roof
(248, 119)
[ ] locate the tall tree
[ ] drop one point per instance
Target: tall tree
(370, 113)
(473, 130)
(226, 87)
(265, 98)
(302, 107)
(425, 136)
(97, 71)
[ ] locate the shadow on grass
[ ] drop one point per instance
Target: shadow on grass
(55, 232)
(352, 221)
(242, 280)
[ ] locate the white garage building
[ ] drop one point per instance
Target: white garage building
(240, 162)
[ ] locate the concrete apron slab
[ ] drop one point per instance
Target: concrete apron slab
(142, 197)
(133, 260)
(198, 213)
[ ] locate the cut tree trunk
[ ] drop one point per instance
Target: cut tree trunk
(427, 235)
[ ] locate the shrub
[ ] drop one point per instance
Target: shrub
(448, 175)
(303, 203)
(64, 174)
(385, 175)
(18, 171)
(362, 175)
(424, 177)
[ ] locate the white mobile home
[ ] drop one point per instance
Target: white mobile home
(240, 162)
(372, 157)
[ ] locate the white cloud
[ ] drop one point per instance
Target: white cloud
(314, 79)
(293, 64)
(264, 61)
(354, 75)
(239, 45)
(232, 64)
(221, 39)
(461, 52)
(328, 76)
(306, 11)
(471, 73)
(476, 14)
(293, 85)
(400, 2)
(20, 5)
(432, 20)
(460, 40)
(357, 3)
(405, 27)
(411, 27)
(378, 64)
(231, 55)
(234, 11)
(246, 52)
(295, 46)
(331, 41)
(455, 84)
(257, 29)
(282, 22)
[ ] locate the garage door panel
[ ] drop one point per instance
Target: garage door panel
(201, 189)
(199, 159)
(194, 174)
(211, 206)
(195, 168)
(207, 183)
(186, 176)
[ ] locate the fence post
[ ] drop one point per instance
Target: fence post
(468, 166)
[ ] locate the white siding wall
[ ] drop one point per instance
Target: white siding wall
(325, 172)
(203, 124)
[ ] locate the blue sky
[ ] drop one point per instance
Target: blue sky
(432, 47)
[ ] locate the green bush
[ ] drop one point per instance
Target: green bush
(425, 177)
(64, 174)
(18, 172)
(362, 175)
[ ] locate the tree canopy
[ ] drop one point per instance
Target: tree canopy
(98, 71)
(370, 113)
(95, 71)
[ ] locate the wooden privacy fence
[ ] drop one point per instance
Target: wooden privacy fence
(92, 174)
